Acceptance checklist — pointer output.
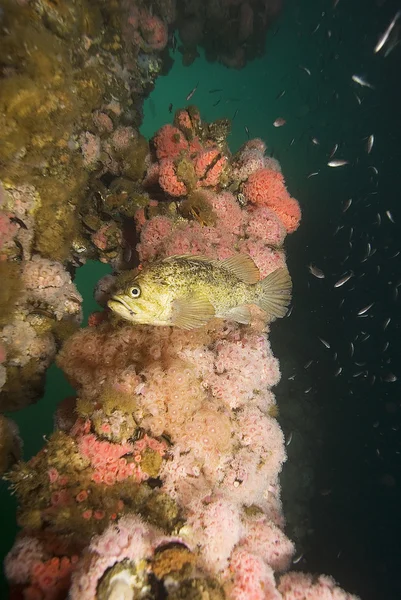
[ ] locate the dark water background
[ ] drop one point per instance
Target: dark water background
(341, 485)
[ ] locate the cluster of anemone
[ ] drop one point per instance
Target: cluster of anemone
(207, 201)
(39, 307)
(163, 475)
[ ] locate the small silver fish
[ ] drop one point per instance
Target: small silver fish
(347, 204)
(192, 92)
(386, 323)
(351, 349)
(304, 69)
(393, 42)
(279, 122)
(289, 439)
(384, 37)
(334, 150)
(308, 364)
(369, 144)
(324, 342)
(362, 82)
(337, 163)
(316, 271)
(297, 559)
(365, 309)
(390, 378)
(368, 253)
(313, 174)
(390, 216)
(315, 141)
(343, 280)
(337, 373)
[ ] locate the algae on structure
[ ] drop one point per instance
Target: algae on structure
(10, 289)
(69, 66)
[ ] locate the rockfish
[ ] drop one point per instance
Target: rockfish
(187, 291)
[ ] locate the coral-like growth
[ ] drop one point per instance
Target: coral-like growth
(302, 585)
(169, 142)
(192, 156)
(41, 308)
(252, 579)
(265, 187)
(122, 561)
(163, 474)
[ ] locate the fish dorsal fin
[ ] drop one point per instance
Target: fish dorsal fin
(189, 257)
(189, 313)
(243, 267)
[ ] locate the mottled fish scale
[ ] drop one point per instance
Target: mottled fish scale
(187, 277)
(187, 291)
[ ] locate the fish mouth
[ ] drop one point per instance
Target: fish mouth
(118, 300)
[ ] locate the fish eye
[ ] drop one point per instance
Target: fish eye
(135, 291)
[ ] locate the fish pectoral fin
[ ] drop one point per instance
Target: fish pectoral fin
(275, 293)
(243, 267)
(240, 314)
(189, 313)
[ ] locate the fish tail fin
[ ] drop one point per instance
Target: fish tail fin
(274, 293)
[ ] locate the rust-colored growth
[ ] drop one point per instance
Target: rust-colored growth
(10, 289)
(197, 207)
(172, 560)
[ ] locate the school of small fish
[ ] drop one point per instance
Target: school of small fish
(357, 245)
(354, 285)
